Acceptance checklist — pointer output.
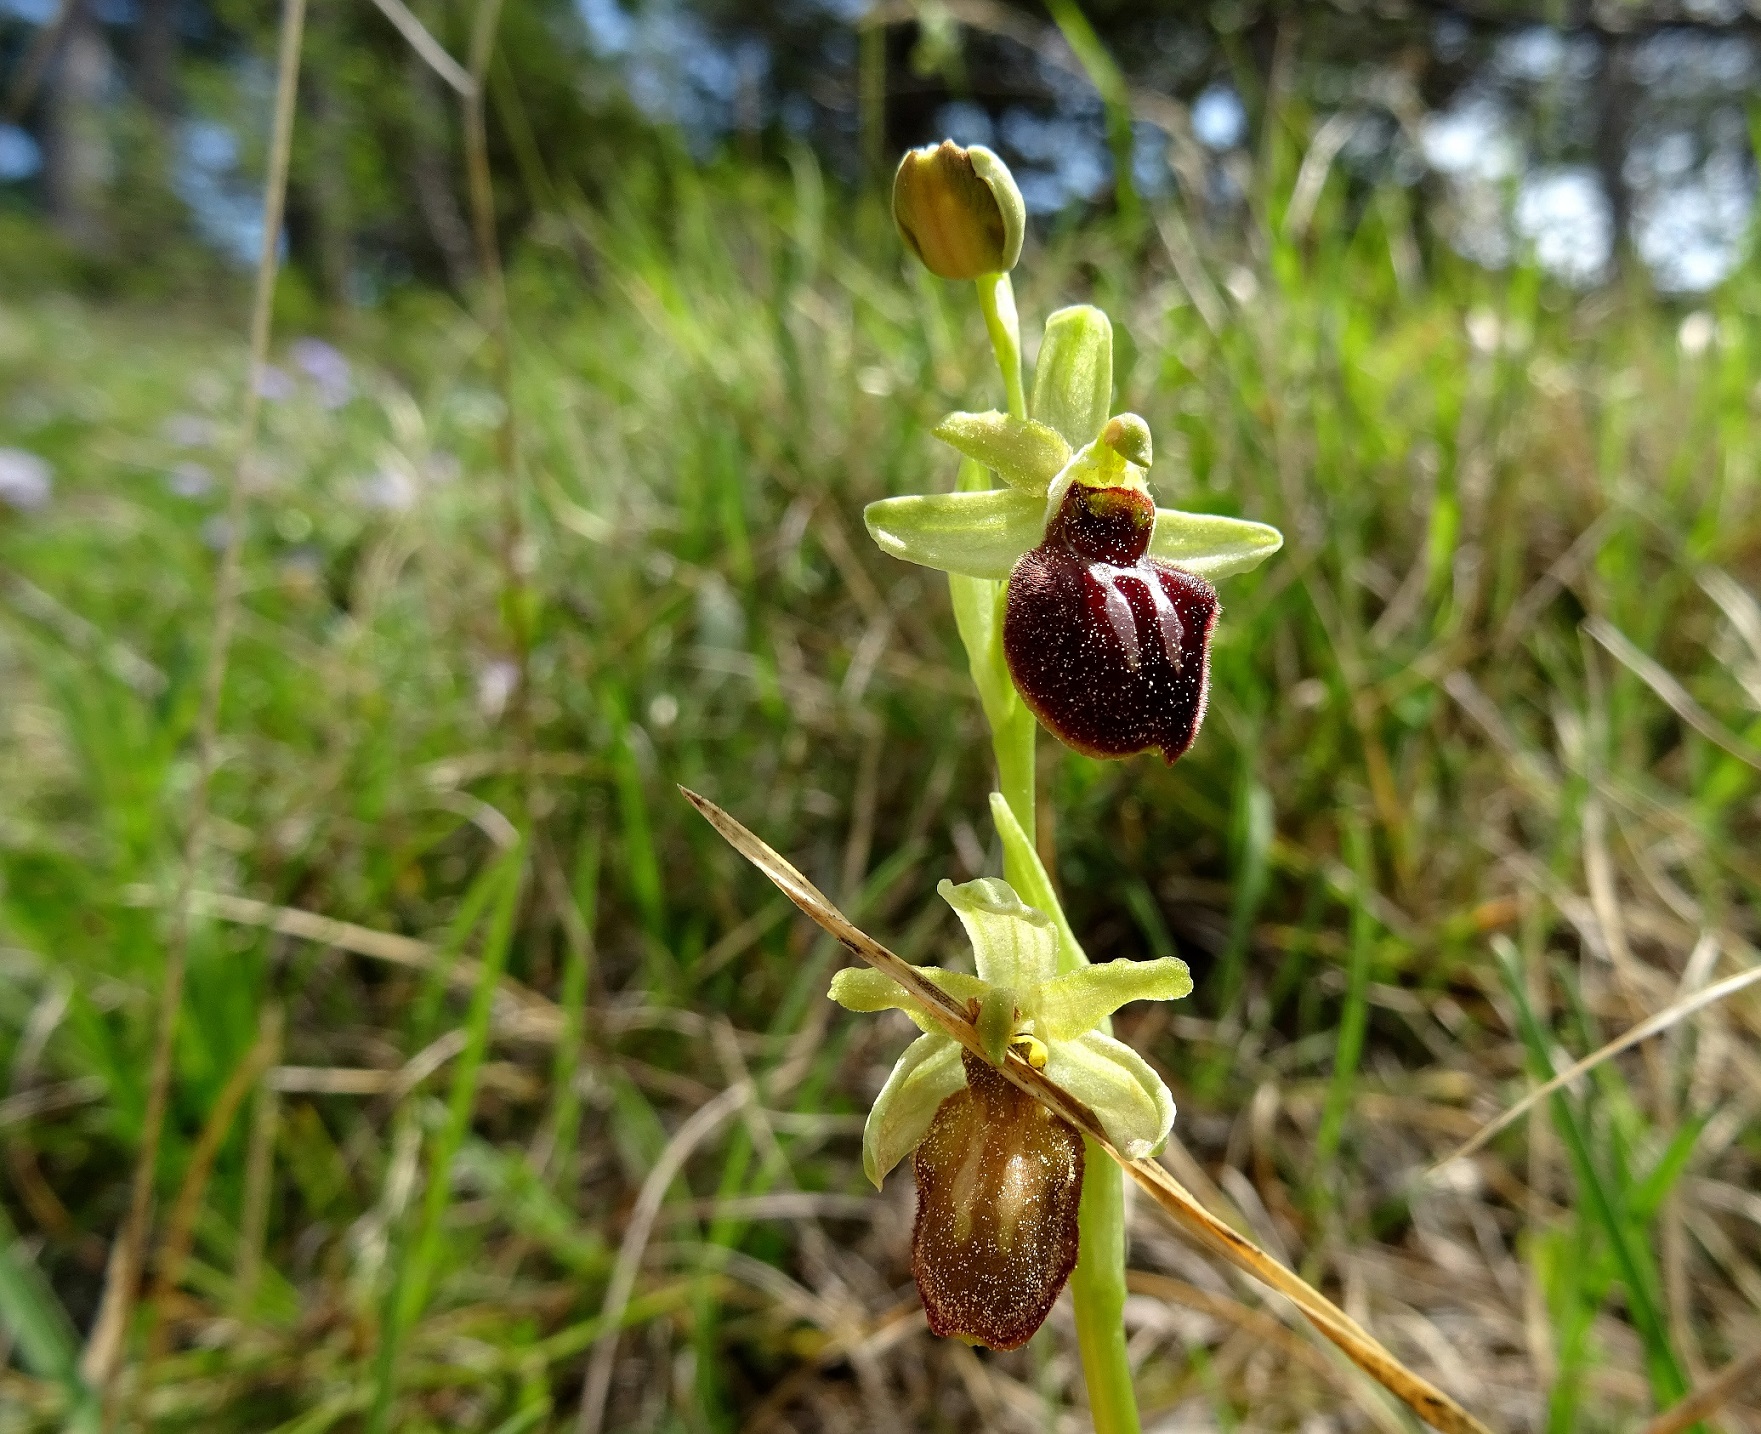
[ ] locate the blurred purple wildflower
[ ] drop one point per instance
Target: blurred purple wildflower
(25, 480)
(274, 384)
(391, 490)
(189, 480)
(327, 368)
(189, 430)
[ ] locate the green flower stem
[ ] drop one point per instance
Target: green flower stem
(1097, 1289)
(996, 296)
(1097, 1286)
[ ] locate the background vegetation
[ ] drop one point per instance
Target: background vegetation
(1478, 791)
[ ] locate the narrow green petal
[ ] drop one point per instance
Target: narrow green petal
(862, 988)
(1014, 944)
(1073, 380)
(1212, 546)
(980, 535)
(1024, 454)
(926, 1075)
(1117, 1084)
(1021, 862)
(1069, 1005)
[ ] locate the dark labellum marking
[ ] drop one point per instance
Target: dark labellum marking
(1109, 647)
(999, 1178)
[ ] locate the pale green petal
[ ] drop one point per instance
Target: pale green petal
(1073, 380)
(862, 988)
(926, 1075)
(978, 534)
(1024, 454)
(1066, 1007)
(1117, 1084)
(1212, 546)
(1022, 862)
(1014, 944)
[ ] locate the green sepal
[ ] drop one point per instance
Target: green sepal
(926, 1075)
(1024, 454)
(862, 988)
(978, 535)
(1079, 1001)
(1117, 1084)
(1013, 944)
(1021, 864)
(1001, 183)
(1212, 546)
(1073, 380)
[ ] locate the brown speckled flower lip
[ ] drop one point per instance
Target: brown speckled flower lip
(999, 1182)
(1110, 648)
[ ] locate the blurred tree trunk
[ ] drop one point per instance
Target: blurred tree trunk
(431, 169)
(156, 56)
(77, 158)
(331, 209)
(1614, 132)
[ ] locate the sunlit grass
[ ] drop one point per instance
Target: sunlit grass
(1413, 748)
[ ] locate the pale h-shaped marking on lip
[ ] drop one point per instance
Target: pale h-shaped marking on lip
(1124, 624)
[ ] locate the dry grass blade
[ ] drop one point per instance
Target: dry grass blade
(180, 1227)
(1676, 696)
(1424, 1399)
(1651, 1026)
(623, 1277)
(462, 974)
(1261, 1325)
(1708, 1397)
(433, 53)
(102, 1357)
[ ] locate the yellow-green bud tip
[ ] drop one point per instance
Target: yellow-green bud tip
(1128, 436)
(959, 210)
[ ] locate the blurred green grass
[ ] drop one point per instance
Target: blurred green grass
(1414, 747)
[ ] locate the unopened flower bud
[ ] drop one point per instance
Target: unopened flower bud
(959, 210)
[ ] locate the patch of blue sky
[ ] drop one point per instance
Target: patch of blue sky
(1693, 231)
(1219, 119)
(1563, 212)
(20, 155)
(966, 123)
(32, 12)
(227, 207)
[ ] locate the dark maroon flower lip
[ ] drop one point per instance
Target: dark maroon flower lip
(1109, 648)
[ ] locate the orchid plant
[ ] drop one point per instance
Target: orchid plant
(1086, 608)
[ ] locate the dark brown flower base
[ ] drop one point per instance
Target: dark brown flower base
(999, 1179)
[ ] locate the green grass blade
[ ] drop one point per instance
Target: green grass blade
(416, 1269)
(565, 1117)
(1607, 1206)
(39, 1327)
(1354, 1020)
